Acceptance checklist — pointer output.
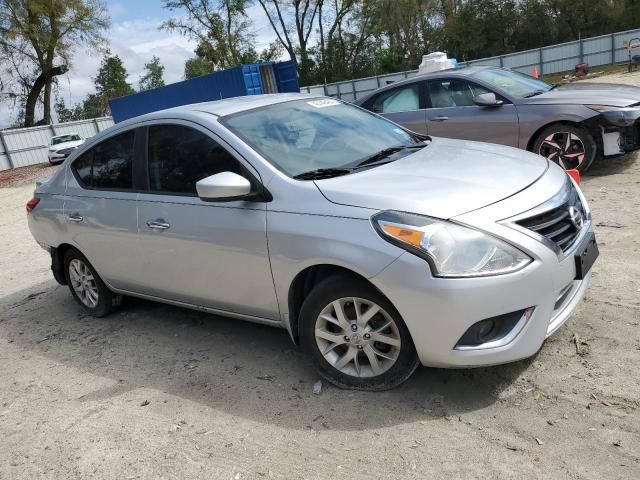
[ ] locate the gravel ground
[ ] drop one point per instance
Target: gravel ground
(161, 392)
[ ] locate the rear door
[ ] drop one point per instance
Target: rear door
(404, 105)
(211, 254)
(453, 114)
(100, 209)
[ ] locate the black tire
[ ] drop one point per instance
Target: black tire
(107, 301)
(340, 287)
(568, 158)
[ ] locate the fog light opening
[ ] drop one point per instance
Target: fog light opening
(495, 331)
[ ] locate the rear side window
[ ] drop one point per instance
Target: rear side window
(180, 156)
(401, 99)
(108, 165)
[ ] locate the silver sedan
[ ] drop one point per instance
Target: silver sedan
(375, 248)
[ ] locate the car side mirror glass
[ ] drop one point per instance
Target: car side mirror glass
(225, 186)
(488, 99)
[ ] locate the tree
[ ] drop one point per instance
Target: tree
(302, 14)
(43, 34)
(111, 80)
(153, 75)
(221, 28)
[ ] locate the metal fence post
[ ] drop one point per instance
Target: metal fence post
(95, 122)
(501, 62)
(6, 150)
(541, 61)
(613, 48)
(353, 85)
(581, 50)
(53, 129)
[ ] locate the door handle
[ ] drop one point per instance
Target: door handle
(158, 224)
(75, 217)
(439, 118)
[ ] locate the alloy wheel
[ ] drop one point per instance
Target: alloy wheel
(357, 337)
(83, 283)
(565, 148)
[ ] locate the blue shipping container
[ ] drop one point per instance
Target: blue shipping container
(254, 79)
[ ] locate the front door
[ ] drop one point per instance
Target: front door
(453, 114)
(211, 254)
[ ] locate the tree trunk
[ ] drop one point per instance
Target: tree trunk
(32, 98)
(46, 118)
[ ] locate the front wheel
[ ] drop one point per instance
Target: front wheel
(355, 336)
(570, 146)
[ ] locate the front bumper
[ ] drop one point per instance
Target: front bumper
(438, 311)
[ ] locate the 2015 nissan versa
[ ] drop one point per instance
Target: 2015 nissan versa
(377, 249)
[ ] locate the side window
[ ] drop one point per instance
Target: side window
(452, 92)
(400, 99)
(108, 165)
(180, 156)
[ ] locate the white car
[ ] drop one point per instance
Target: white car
(61, 146)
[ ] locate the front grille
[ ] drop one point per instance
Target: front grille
(66, 151)
(560, 224)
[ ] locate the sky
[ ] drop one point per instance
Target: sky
(135, 37)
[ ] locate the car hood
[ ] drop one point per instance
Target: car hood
(445, 179)
(62, 146)
(588, 93)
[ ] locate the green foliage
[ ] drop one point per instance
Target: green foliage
(37, 38)
(152, 77)
(111, 80)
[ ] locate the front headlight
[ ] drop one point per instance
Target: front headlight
(618, 116)
(451, 250)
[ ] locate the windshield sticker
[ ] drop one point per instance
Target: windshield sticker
(325, 102)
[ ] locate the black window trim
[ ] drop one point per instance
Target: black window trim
(261, 193)
(90, 150)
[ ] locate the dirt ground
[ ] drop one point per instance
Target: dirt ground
(161, 392)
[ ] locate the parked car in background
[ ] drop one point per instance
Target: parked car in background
(376, 249)
(571, 124)
(61, 146)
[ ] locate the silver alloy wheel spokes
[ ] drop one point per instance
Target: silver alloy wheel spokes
(564, 148)
(357, 337)
(83, 283)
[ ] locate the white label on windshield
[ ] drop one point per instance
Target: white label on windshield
(325, 102)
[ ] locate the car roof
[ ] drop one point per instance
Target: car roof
(233, 105)
(450, 72)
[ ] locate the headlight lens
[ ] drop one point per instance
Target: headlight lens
(451, 250)
(618, 116)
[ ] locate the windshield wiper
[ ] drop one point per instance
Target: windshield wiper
(321, 173)
(387, 152)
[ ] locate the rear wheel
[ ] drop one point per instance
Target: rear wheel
(87, 287)
(355, 336)
(570, 146)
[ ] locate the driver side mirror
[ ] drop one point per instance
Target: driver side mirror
(225, 186)
(488, 99)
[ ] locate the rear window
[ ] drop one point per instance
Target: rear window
(108, 165)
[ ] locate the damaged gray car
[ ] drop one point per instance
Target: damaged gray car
(571, 124)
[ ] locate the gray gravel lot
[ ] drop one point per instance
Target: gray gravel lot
(233, 400)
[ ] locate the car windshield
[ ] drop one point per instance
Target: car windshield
(311, 134)
(512, 83)
(73, 137)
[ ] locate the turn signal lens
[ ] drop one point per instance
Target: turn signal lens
(412, 237)
(31, 204)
